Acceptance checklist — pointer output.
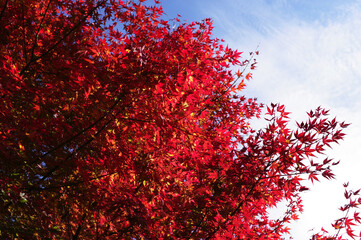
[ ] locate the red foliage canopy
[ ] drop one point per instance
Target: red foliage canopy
(117, 124)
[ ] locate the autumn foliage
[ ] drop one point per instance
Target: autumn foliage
(118, 124)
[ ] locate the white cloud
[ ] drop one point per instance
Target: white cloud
(304, 64)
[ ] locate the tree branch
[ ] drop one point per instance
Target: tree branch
(240, 204)
(82, 131)
(34, 59)
(3, 10)
(37, 32)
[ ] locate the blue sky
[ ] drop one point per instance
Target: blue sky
(310, 55)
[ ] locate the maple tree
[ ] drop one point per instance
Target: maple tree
(118, 124)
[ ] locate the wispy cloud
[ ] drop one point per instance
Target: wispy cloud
(306, 59)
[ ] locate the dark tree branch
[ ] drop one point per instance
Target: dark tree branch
(77, 150)
(34, 59)
(210, 235)
(37, 32)
(82, 131)
(77, 232)
(3, 10)
(24, 35)
(198, 225)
